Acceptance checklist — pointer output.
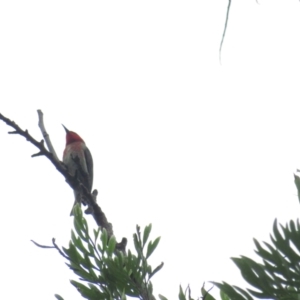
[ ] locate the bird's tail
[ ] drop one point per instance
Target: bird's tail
(77, 200)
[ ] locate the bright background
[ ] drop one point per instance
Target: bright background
(205, 152)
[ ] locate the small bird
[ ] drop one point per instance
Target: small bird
(82, 168)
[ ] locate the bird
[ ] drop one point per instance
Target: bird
(79, 162)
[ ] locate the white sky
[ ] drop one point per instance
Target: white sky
(204, 152)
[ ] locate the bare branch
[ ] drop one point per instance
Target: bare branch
(45, 134)
(207, 292)
(42, 246)
(52, 247)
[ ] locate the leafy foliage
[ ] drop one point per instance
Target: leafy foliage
(278, 276)
(103, 271)
(110, 274)
(106, 273)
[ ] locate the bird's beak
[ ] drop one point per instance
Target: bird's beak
(66, 129)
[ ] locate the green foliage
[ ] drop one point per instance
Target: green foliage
(185, 295)
(110, 274)
(104, 272)
(277, 276)
(297, 183)
(161, 297)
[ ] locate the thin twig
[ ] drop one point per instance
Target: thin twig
(43, 246)
(224, 32)
(207, 292)
(45, 134)
(60, 252)
(52, 247)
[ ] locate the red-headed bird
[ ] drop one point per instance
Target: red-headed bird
(83, 169)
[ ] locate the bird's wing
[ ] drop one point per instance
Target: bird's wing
(89, 162)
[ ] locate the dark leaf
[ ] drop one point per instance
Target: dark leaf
(151, 247)
(146, 234)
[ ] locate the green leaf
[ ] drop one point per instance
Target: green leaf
(224, 296)
(78, 244)
(93, 288)
(260, 295)
(80, 287)
(79, 229)
(253, 273)
(158, 268)
(104, 238)
(96, 233)
(138, 232)
(91, 250)
(146, 234)
(71, 252)
(262, 252)
(294, 234)
(123, 296)
(206, 295)
(93, 274)
(100, 249)
(282, 244)
(152, 246)
(99, 263)
(111, 245)
(150, 288)
(83, 274)
(229, 290)
(85, 226)
(77, 211)
(248, 297)
(86, 263)
(73, 236)
(275, 258)
(137, 245)
(147, 267)
(91, 293)
(120, 258)
(58, 297)
(161, 297)
(181, 294)
(297, 183)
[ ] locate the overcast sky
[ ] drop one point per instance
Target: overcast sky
(205, 152)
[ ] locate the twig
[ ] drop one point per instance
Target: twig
(52, 247)
(42, 246)
(206, 292)
(45, 134)
(225, 28)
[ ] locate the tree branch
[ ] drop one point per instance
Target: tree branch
(74, 183)
(45, 134)
(52, 247)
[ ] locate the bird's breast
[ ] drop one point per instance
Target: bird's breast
(72, 151)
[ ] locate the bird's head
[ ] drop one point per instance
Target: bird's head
(72, 136)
